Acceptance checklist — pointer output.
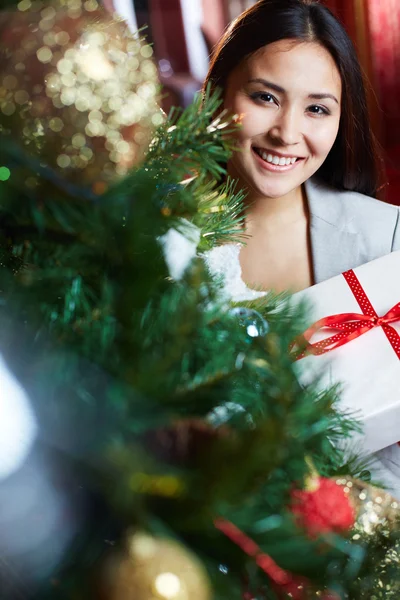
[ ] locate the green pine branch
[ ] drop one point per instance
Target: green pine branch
(122, 354)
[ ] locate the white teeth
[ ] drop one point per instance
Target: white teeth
(277, 160)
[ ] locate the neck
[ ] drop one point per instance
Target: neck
(268, 212)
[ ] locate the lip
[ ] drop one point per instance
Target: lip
(276, 168)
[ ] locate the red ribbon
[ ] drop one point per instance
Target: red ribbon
(351, 325)
(249, 547)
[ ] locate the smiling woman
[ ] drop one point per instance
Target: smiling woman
(289, 71)
(291, 117)
(306, 157)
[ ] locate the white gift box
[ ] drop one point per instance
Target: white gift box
(368, 367)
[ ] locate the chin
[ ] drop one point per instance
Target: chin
(276, 191)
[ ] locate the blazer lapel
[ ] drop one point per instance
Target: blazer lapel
(334, 241)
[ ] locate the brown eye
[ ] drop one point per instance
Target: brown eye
(318, 110)
(264, 97)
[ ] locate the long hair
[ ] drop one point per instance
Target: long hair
(353, 162)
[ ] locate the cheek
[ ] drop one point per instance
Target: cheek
(324, 139)
(253, 122)
(250, 115)
(245, 131)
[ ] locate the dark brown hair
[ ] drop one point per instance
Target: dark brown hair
(353, 162)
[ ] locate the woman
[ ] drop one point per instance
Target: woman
(306, 156)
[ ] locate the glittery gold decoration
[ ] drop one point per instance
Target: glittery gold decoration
(77, 90)
(374, 507)
(155, 569)
(378, 517)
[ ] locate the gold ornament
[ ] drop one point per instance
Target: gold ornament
(378, 514)
(78, 91)
(155, 569)
(374, 506)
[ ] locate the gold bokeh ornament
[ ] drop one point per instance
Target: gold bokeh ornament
(78, 90)
(154, 568)
(374, 507)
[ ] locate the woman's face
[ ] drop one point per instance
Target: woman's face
(288, 95)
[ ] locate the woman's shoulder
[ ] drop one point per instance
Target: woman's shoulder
(364, 203)
(372, 224)
(347, 207)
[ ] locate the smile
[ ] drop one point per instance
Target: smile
(274, 162)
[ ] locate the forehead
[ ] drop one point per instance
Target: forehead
(299, 66)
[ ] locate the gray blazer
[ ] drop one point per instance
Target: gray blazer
(348, 229)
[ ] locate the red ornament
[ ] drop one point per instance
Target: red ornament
(324, 508)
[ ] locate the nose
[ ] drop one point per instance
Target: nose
(286, 129)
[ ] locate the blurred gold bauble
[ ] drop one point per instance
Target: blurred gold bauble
(374, 507)
(155, 569)
(78, 91)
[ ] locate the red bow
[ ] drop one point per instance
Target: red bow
(351, 325)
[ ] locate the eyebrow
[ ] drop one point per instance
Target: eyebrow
(281, 90)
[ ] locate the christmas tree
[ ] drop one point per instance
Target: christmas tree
(177, 456)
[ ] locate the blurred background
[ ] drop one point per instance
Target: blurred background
(184, 32)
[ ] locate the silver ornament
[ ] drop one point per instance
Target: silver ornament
(255, 324)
